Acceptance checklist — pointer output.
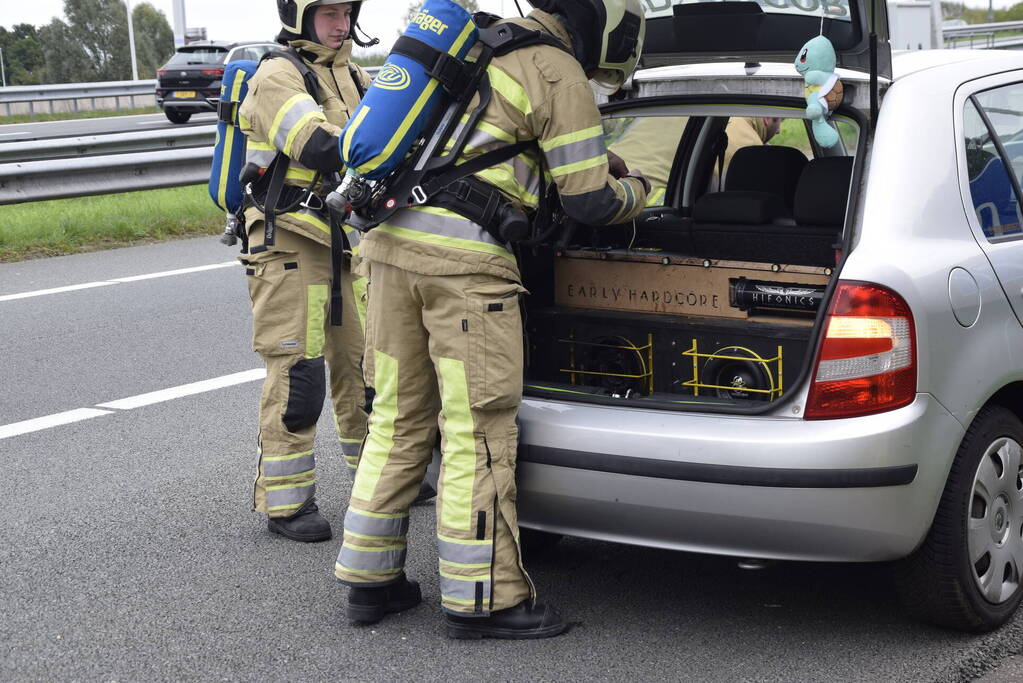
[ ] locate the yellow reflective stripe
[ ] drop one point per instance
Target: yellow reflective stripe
(288, 476)
(373, 538)
(229, 133)
(302, 174)
(360, 288)
(583, 165)
(466, 577)
(315, 334)
(458, 601)
(442, 241)
(284, 487)
(368, 549)
(459, 462)
(586, 134)
(310, 219)
(346, 570)
(284, 458)
(359, 118)
(657, 198)
(503, 176)
(261, 146)
(463, 565)
(510, 89)
(491, 129)
(347, 441)
(414, 112)
(290, 140)
(380, 441)
(244, 123)
(283, 111)
(275, 508)
(464, 541)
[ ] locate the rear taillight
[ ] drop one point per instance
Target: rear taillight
(213, 72)
(867, 359)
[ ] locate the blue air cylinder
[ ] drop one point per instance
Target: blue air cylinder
(403, 97)
(229, 149)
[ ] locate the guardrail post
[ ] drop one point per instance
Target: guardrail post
(31, 111)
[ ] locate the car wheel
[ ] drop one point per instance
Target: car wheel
(537, 543)
(967, 574)
(177, 116)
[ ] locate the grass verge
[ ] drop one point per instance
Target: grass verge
(68, 116)
(68, 226)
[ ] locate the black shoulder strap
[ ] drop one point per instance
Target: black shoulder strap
(312, 83)
(357, 79)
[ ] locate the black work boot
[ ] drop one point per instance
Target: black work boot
(521, 622)
(426, 492)
(369, 605)
(306, 525)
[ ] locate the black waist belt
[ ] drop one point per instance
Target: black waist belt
(476, 200)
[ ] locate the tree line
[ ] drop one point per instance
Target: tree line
(89, 44)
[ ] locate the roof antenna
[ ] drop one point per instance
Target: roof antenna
(519, 8)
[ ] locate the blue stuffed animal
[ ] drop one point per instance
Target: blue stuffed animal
(816, 62)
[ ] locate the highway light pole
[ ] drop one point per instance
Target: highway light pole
(131, 44)
(3, 72)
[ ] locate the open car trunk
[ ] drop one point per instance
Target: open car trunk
(713, 298)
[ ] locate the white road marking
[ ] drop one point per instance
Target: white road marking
(55, 290)
(71, 416)
(117, 281)
(50, 421)
(2, 135)
(185, 390)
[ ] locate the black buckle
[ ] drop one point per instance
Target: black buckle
(225, 111)
(449, 71)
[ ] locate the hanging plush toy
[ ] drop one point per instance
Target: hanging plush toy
(816, 62)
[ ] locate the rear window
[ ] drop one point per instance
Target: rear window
(185, 58)
(994, 159)
(832, 9)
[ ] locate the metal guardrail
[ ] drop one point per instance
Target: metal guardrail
(983, 36)
(36, 94)
(120, 143)
(32, 181)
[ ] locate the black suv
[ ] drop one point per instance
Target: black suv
(190, 82)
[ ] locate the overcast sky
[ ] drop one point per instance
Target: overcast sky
(257, 19)
(240, 19)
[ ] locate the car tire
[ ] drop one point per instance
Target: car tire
(537, 543)
(177, 116)
(967, 574)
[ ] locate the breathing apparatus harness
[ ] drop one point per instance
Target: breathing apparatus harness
(430, 176)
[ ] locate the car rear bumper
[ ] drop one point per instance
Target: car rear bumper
(861, 489)
(184, 105)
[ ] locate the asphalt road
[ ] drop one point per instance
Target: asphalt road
(128, 550)
(20, 132)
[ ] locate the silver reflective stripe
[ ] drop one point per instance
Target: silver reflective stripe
(465, 553)
(446, 226)
(354, 237)
(360, 559)
(630, 196)
(278, 497)
(298, 109)
(463, 591)
(573, 152)
(289, 465)
(260, 157)
(350, 449)
(388, 527)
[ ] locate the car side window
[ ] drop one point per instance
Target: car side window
(992, 128)
(647, 143)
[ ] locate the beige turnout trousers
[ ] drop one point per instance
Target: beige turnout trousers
(289, 286)
(447, 344)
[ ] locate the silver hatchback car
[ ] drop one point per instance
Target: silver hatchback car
(795, 352)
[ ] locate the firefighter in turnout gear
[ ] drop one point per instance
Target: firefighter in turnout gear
(299, 111)
(444, 332)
